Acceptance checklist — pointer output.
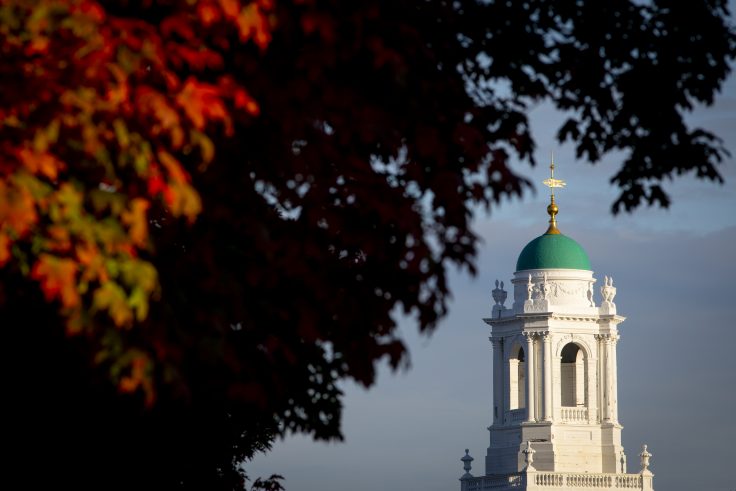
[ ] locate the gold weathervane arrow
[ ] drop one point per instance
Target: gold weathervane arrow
(552, 209)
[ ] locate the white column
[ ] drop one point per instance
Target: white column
(497, 381)
(547, 377)
(531, 413)
(606, 377)
(506, 386)
(557, 388)
(592, 395)
(614, 379)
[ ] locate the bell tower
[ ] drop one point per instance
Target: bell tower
(555, 409)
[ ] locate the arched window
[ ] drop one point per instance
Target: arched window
(574, 376)
(517, 380)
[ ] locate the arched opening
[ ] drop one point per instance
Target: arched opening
(573, 373)
(517, 380)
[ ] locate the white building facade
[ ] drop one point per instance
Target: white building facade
(555, 408)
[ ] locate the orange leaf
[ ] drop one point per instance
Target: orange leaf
(38, 45)
(139, 377)
(208, 13)
(17, 207)
(93, 263)
(58, 238)
(58, 279)
(137, 221)
(173, 167)
(160, 108)
(202, 102)
(243, 100)
(252, 23)
(230, 8)
(4, 248)
(41, 162)
(184, 200)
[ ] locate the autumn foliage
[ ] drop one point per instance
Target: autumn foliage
(213, 211)
(102, 116)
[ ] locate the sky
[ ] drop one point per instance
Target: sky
(675, 272)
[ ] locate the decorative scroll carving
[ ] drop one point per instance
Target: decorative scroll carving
(579, 290)
(530, 336)
(608, 338)
(546, 289)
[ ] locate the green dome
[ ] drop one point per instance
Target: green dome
(553, 251)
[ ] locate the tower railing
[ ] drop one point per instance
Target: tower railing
(574, 414)
(481, 483)
(551, 481)
(515, 416)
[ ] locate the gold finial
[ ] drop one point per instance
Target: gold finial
(552, 209)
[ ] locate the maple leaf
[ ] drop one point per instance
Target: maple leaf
(184, 200)
(112, 298)
(92, 263)
(17, 207)
(208, 13)
(4, 248)
(253, 23)
(136, 220)
(230, 8)
(57, 277)
(202, 102)
(139, 377)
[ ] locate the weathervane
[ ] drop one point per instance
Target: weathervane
(552, 209)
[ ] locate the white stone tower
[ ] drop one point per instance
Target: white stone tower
(555, 410)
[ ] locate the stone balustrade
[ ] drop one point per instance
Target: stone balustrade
(574, 414)
(587, 480)
(493, 482)
(516, 416)
(550, 481)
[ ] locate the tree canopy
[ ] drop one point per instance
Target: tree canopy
(212, 211)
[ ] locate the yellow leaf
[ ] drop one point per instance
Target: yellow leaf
(121, 133)
(184, 200)
(139, 274)
(111, 297)
(139, 302)
(206, 147)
